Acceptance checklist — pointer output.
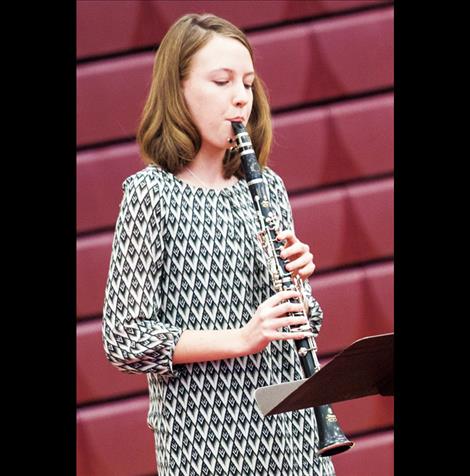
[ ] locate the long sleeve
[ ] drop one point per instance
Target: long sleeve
(134, 337)
(287, 223)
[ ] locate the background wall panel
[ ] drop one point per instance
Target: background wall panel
(355, 303)
(115, 439)
(331, 58)
(110, 26)
(329, 144)
(343, 226)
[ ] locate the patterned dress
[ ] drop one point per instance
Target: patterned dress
(187, 257)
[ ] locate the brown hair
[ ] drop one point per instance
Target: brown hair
(166, 134)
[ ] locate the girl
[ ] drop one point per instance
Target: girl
(189, 299)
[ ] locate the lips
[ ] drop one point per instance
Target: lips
(236, 119)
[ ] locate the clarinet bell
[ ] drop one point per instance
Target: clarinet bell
(332, 440)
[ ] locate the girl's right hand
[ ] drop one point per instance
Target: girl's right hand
(272, 314)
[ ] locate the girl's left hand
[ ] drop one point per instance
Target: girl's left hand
(298, 253)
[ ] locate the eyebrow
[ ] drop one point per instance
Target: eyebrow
(231, 71)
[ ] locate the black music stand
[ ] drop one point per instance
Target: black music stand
(364, 368)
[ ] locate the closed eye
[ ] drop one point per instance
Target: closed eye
(223, 83)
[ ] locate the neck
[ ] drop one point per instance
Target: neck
(208, 166)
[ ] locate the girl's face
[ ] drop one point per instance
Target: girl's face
(218, 89)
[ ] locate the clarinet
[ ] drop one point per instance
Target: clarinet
(331, 438)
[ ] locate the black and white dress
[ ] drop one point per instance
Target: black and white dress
(186, 257)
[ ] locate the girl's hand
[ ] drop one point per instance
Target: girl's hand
(298, 253)
(272, 315)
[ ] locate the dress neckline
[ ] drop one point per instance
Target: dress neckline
(195, 188)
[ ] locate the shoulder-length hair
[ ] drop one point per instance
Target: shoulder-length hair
(166, 134)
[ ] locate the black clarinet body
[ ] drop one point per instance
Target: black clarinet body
(331, 439)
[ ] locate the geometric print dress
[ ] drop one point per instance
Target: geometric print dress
(187, 257)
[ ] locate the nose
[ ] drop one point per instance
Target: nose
(241, 95)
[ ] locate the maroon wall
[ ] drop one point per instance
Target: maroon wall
(333, 127)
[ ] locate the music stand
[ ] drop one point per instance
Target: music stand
(364, 368)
